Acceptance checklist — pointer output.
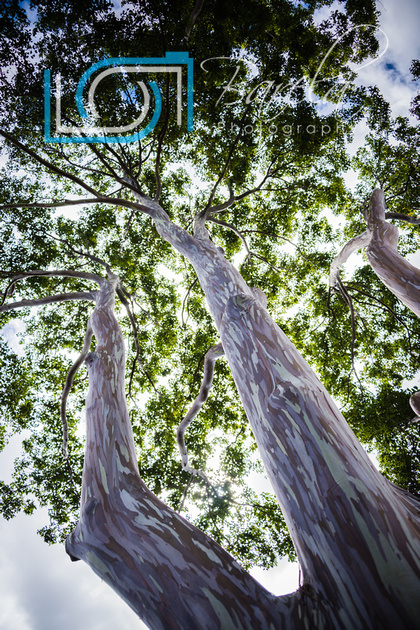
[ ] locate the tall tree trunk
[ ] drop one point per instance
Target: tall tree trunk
(355, 533)
(167, 570)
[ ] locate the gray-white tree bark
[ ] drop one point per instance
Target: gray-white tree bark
(356, 534)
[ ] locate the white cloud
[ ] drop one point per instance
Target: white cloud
(399, 23)
(41, 588)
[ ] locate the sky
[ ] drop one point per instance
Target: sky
(41, 589)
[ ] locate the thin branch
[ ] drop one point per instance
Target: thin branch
(283, 238)
(191, 21)
(121, 294)
(353, 314)
(402, 217)
(47, 163)
(161, 137)
(127, 227)
(63, 297)
(58, 171)
(78, 252)
(203, 214)
(212, 354)
(105, 162)
(65, 273)
(84, 167)
(184, 496)
(184, 301)
(386, 307)
(67, 387)
(241, 236)
(233, 199)
(234, 230)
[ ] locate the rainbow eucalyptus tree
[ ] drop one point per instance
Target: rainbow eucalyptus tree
(355, 533)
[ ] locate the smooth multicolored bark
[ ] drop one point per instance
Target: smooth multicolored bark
(400, 276)
(167, 570)
(356, 535)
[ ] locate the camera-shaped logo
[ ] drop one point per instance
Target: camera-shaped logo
(91, 132)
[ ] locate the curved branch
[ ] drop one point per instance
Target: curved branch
(65, 273)
(358, 242)
(67, 387)
(283, 238)
(233, 199)
(215, 352)
(234, 230)
(353, 314)
(399, 319)
(401, 277)
(224, 205)
(121, 294)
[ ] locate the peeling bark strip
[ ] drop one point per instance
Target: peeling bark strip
(356, 534)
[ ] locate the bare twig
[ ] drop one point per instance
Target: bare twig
(203, 214)
(283, 238)
(386, 307)
(49, 165)
(342, 289)
(184, 496)
(58, 171)
(161, 137)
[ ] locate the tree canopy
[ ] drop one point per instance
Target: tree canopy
(274, 105)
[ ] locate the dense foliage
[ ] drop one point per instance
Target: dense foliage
(283, 237)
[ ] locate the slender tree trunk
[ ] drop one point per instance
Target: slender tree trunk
(355, 533)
